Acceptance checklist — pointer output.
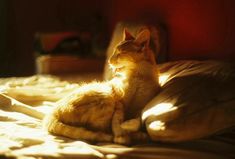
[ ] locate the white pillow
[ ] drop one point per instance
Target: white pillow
(197, 100)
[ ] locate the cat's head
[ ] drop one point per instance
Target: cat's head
(132, 50)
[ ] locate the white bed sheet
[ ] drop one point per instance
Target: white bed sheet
(22, 136)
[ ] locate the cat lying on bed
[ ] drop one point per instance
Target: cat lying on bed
(96, 111)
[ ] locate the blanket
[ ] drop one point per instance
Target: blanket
(22, 135)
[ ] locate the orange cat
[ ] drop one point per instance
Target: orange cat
(97, 110)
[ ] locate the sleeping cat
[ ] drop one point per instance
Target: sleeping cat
(96, 111)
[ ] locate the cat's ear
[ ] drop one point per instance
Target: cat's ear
(143, 37)
(127, 35)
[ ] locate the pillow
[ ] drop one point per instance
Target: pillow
(197, 100)
(157, 41)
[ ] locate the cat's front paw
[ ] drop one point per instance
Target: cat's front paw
(124, 140)
(132, 125)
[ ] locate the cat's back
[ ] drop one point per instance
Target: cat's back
(91, 104)
(90, 93)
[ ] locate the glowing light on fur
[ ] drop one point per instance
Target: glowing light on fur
(163, 79)
(95, 86)
(118, 81)
(112, 67)
(158, 110)
(157, 125)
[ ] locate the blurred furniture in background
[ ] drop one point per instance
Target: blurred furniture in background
(67, 64)
(67, 53)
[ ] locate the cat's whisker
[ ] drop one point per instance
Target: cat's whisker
(113, 68)
(122, 75)
(118, 80)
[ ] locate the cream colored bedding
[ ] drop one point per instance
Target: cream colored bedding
(198, 96)
(22, 136)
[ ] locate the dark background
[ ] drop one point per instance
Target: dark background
(197, 29)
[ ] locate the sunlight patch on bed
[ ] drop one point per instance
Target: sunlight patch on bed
(45, 109)
(15, 116)
(158, 110)
(157, 125)
(79, 147)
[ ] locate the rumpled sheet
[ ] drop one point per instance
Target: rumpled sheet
(22, 136)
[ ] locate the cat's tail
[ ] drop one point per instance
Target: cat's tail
(55, 126)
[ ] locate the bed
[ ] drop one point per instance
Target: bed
(202, 91)
(22, 136)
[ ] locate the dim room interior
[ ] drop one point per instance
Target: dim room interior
(48, 48)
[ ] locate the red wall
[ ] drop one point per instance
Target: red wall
(196, 28)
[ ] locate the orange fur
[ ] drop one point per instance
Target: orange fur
(96, 111)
